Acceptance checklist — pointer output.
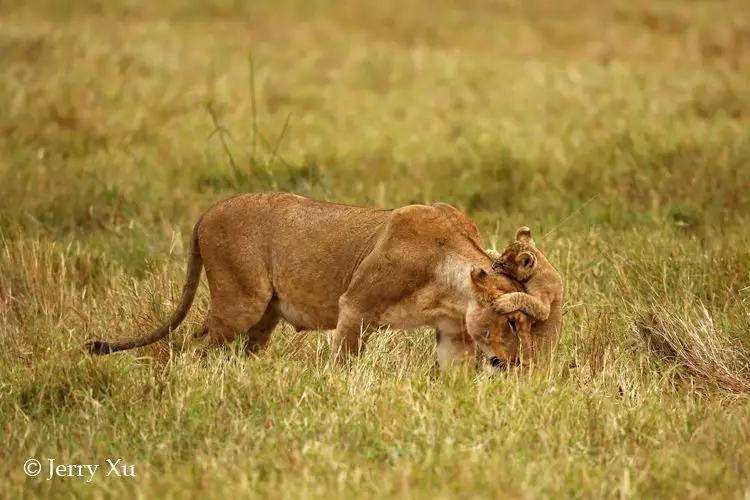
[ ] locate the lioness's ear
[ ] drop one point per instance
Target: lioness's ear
(523, 234)
(478, 275)
(479, 280)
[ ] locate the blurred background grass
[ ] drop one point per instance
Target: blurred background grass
(620, 128)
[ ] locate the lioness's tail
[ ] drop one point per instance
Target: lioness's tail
(194, 267)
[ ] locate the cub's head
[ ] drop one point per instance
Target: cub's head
(519, 260)
(502, 336)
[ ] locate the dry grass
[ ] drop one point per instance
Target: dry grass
(690, 340)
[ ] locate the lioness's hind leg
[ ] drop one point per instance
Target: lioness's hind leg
(236, 306)
(228, 321)
(222, 330)
(258, 334)
(202, 331)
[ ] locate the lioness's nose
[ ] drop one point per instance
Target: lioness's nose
(497, 362)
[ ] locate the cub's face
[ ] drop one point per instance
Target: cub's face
(519, 260)
(502, 336)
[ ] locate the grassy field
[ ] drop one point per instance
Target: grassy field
(618, 130)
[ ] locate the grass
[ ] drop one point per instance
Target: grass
(619, 131)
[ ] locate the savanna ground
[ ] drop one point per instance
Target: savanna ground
(621, 129)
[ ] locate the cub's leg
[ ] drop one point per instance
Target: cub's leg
(258, 335)
(536, 307)
(454, 346)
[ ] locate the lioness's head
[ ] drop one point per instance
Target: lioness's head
(520, 258)
(503, 336)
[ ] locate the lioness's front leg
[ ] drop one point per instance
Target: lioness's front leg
(519, 301)
(348, 338)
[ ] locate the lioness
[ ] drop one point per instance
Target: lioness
(322, 265)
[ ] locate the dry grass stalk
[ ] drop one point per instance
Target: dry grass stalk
(694, 343)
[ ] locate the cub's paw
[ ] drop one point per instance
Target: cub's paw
(493, 254)
(505, 304)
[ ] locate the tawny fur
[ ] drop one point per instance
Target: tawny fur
(543, 296)
(325, 266)
(513, 343)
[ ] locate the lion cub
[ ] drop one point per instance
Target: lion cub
(542, 301)
(505, 339)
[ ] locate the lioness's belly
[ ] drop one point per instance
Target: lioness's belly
(315, 316)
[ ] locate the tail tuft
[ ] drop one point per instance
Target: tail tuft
(99, 347)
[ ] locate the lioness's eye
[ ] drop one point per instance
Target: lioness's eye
(512, 324)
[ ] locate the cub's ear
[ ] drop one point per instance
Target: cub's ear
(526, 259)
(523, 234)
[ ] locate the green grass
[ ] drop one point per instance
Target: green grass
(620, 131)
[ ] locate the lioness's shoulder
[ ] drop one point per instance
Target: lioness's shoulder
(459, 220)
(439, 216)
(413, 215)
